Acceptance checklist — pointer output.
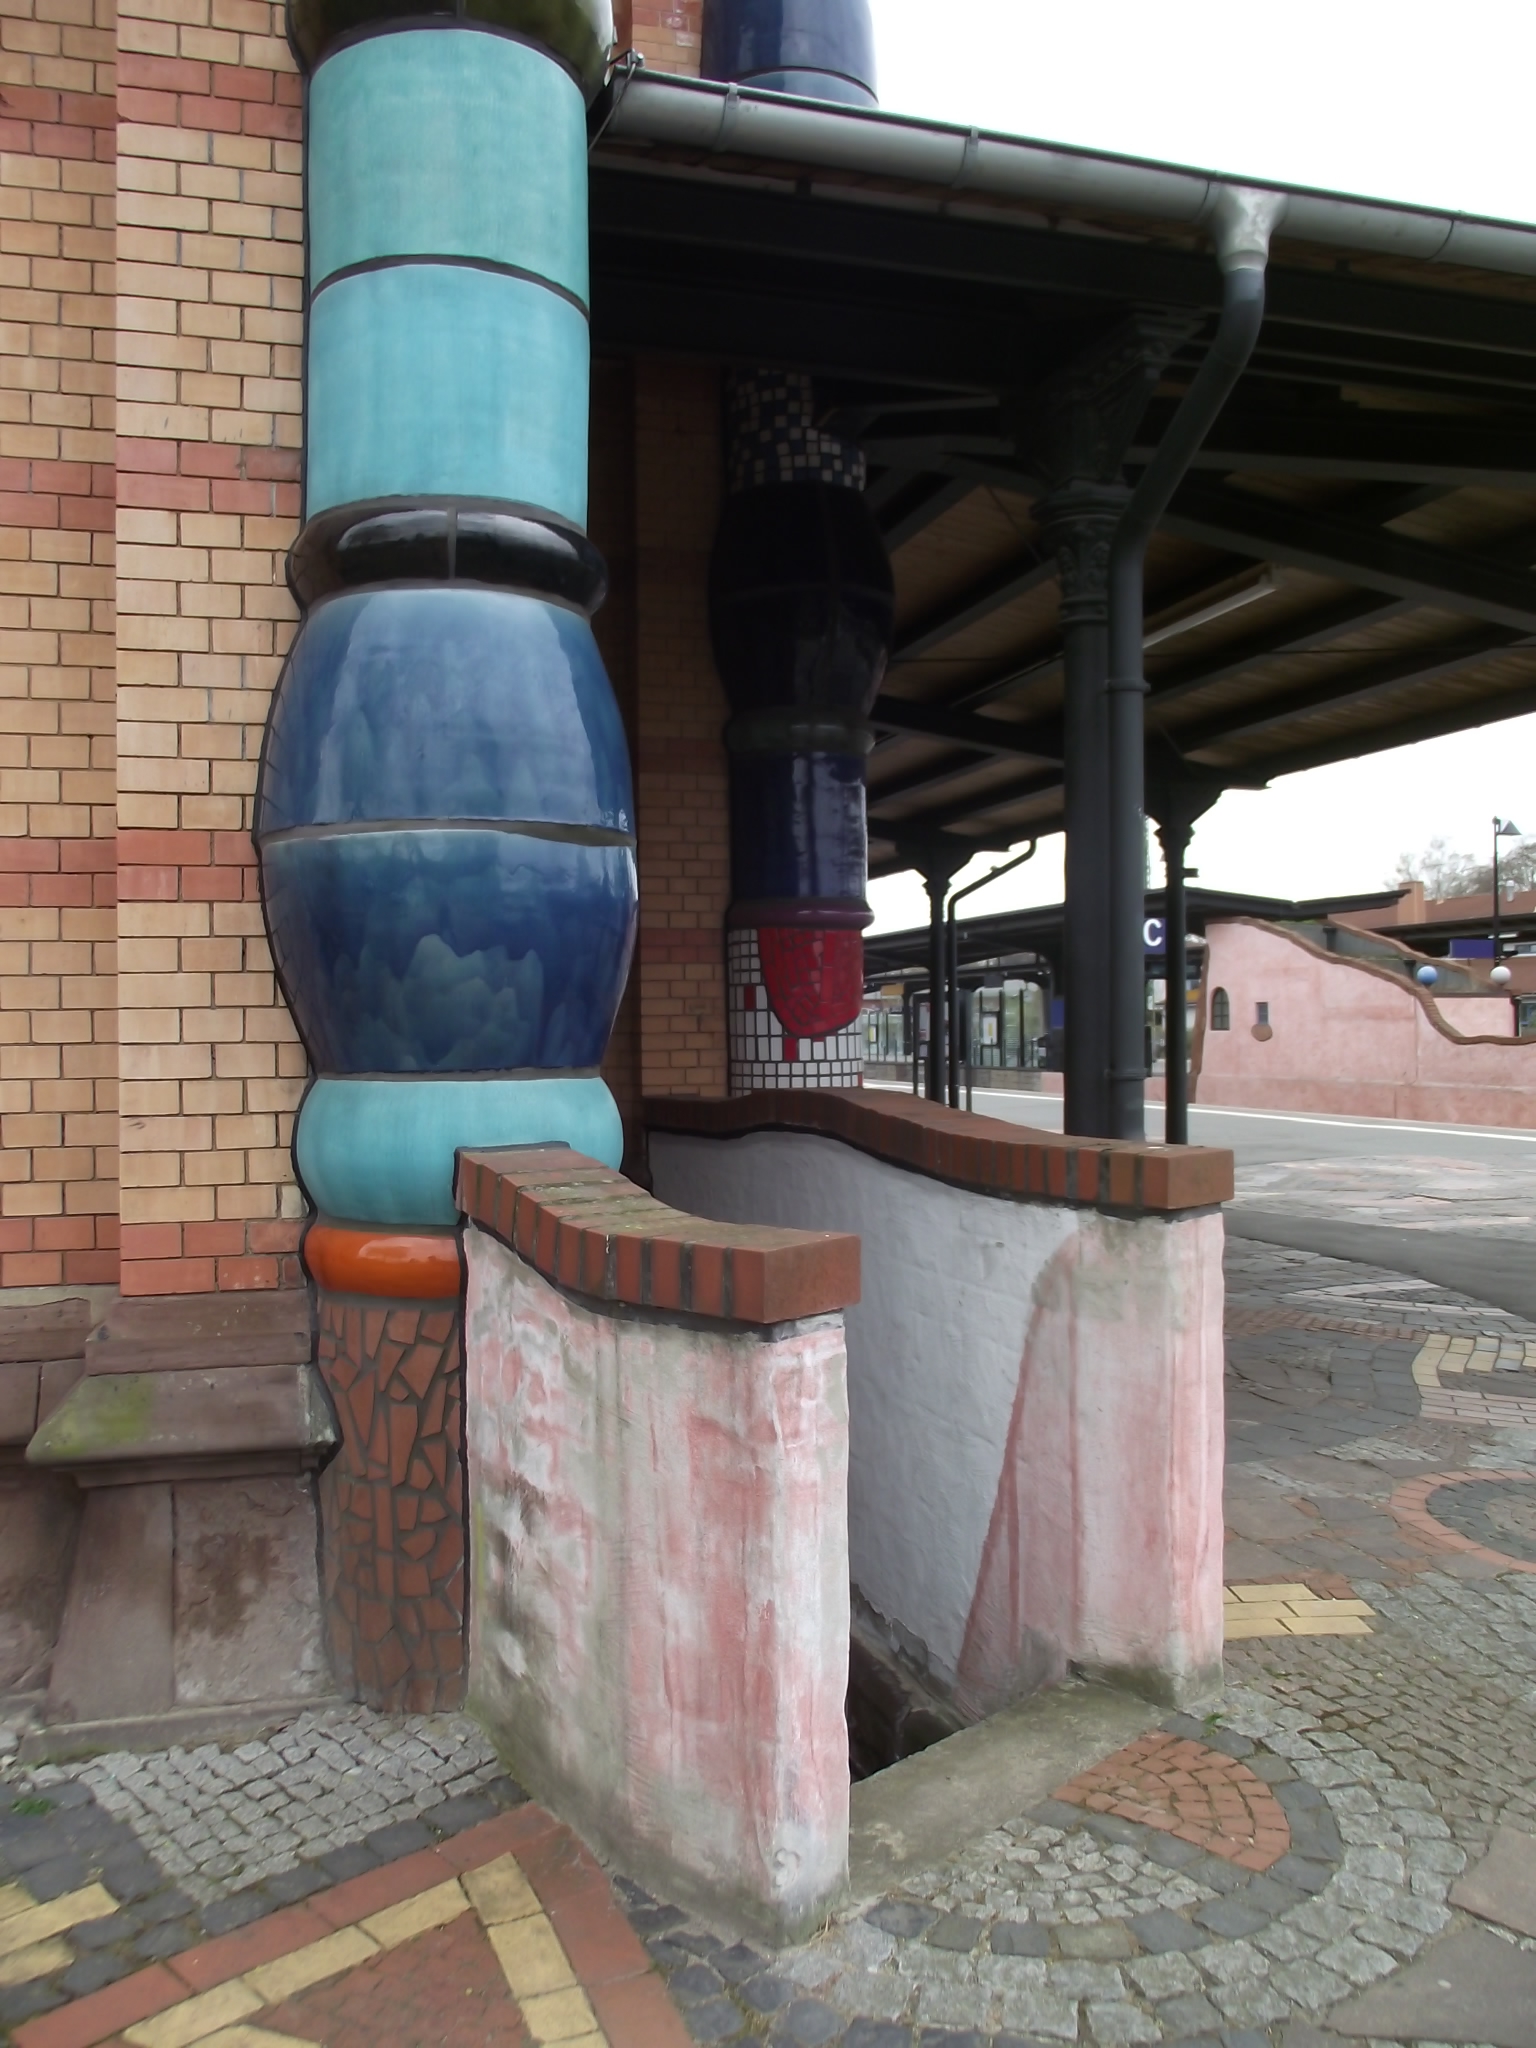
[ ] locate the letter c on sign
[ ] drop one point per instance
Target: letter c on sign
(1154, 934)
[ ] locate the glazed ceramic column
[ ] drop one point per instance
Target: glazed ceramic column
(801, 611)
(816, 49)
(444, 818)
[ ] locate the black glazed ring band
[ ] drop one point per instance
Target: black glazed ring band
(446, 540)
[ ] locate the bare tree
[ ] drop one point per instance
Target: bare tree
(1446, 872)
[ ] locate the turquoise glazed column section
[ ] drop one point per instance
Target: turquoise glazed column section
(445, 820)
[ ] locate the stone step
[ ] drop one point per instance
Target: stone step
(185, 1332)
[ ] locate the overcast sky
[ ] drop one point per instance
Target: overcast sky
(1406, 101)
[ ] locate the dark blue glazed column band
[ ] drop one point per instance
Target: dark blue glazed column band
(445, 819)
(818, 49)
(801, 606)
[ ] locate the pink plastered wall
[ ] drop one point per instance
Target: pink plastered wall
(659, 1610)
(1351, 1039)
(1035, 1401)
(1103, 1550)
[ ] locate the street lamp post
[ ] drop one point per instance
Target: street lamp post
(1503, 828)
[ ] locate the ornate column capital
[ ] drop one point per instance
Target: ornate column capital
(1079, 522)
(1079, 423)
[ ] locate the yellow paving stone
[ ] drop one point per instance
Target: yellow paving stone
(40, 1960)
(1270, 1593)
(1241, 1630)
(562, 2016)
(531, 1958)
(56, 1916)
(1331, 1607)
(195, 2018)
(14, 1898)
(253, 2037)
(499, 1891)
(415, 1916)
(1327, 1625)
(273, 1982)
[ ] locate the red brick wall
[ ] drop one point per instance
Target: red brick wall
(210, 263)
(58, 1105)
(666, 32)
(150, 329)
(680, 755)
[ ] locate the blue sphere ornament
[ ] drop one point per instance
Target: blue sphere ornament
(1426, 977)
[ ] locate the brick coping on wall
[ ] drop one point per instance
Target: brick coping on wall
(981, 1153)
(589, 1229)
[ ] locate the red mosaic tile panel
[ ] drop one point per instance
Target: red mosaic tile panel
(392, 1502)
(1169, 1782)
(442, 1990)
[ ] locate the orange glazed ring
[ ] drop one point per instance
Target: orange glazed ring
(388, 1265)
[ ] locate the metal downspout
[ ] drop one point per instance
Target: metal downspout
(1242, 225)
(952, 950)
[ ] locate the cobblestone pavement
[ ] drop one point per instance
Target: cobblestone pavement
(1227, 1881)
(190, 1843)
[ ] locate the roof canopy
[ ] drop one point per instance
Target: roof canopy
(1346, 569)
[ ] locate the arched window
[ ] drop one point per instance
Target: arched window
(1221, 1010)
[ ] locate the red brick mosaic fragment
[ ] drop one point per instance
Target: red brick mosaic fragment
(443, 1990)
(392, 1502)
(1169, 1782)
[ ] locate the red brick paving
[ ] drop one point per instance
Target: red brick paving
(433, 1991)
(1410, 1504)
(442, 1990)
(1169, 1782)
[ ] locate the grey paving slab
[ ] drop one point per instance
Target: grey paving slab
(1503, 1886)
(928, 1806)
(1498, 1270)
(1471, 1987)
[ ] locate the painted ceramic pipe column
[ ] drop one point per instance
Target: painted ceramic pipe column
(818, 49)
(801, 612)
(444, 819)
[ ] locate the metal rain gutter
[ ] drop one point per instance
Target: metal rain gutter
(716, 119)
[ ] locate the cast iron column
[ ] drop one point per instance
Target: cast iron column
(1079, 527)
(1173, 836)
(1178, 793)
(1074, 433)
